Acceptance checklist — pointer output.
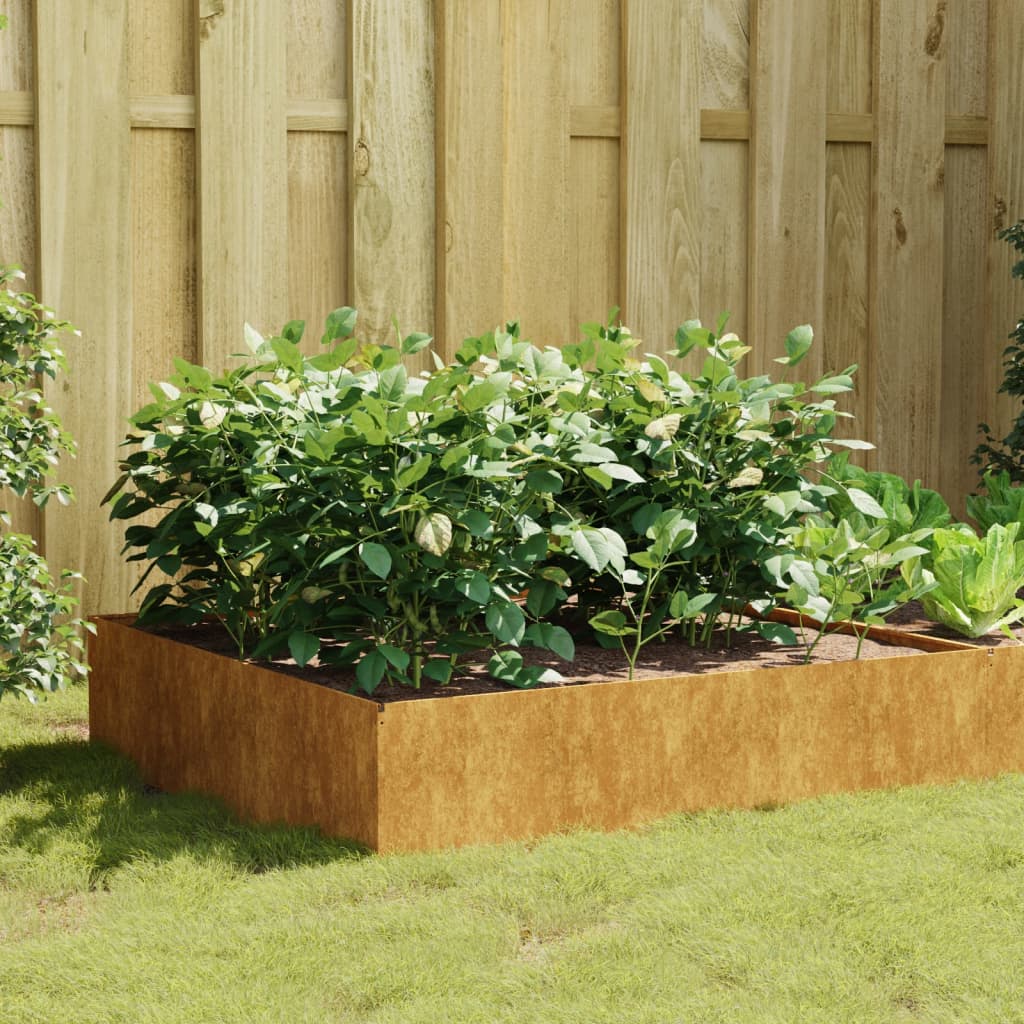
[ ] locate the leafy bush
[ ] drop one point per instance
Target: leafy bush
(40, 646)
(335, 507)
(1007, 455)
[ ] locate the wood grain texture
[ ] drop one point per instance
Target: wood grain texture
(845, 337)
(966, 373)
(966, 30)
(1006, 194)
(391, 163)
(536, 232)
(17, 57)
(85, 268)
(661, 167)
(787, 158)
(907, 257)
(316, 50)
(725, 55)
(849, 56)
(725, 175)
(317, 207)
(18, 246)
(161, 48)
(593, 196)
(164, 317)
(242, 171)
(470, 170)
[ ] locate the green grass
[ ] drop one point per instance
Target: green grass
(118, 905)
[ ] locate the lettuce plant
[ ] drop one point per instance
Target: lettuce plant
(1002, 501)
(976, 579)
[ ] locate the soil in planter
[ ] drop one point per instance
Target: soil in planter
(593, 664)
(911, 617)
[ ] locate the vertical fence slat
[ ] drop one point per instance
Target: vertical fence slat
(1006, 191)
(593, 197)
(470, 169)
(906, 308)
(965, 370)
(18, 195)
(725, 166)
(242, 172)
(845, 339)
(85, 267)
(391, 160)
(536, 232)
(787, 157)
(661, 160)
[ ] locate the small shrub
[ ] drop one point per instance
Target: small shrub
(40, 645)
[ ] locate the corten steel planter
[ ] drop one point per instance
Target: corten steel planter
(432, 773)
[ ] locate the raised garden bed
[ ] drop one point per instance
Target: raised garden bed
(487, 767)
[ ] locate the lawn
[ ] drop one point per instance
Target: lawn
(118, 904)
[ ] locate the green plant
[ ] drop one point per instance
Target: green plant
(336, 507)
(40, 644)
(1007, 455)
(871, 498)
(976, 578)
(849, 571)
(1001, 501)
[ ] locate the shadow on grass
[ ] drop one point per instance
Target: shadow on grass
(88, 792)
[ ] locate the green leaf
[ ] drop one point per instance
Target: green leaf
(395, 656)
(376, 558)
(414, 472)
(544, 481)
(476, 522)
(542, 597)
(438, 669)
(391, 383)
(612, 623)
(617, 471)
(798, 343)
(303, 646)
(476, 586)
(864, 503)
(506, 622)
(370, 671)
(287, 353)
(340, 324)
(415, 342)
(552, 638)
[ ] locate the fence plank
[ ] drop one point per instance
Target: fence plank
(1006, 193)
(536, 232)
(787, 201)
(17, 187)
(966, 373)
(593, 197)
(845, 337)
(85, 267)
(391, 153)
(242, 172)
(725, 172)
(470, 170)
(906, 287)
(661, 161)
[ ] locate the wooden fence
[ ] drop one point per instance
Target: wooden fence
(453, 163)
